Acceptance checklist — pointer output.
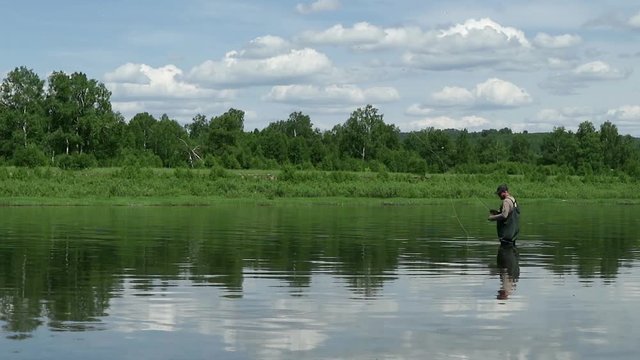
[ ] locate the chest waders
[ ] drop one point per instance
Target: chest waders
(509, 228)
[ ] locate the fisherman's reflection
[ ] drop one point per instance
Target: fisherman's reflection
(508, 260)
(508, 227)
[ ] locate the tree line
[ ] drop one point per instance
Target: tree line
(67, 121)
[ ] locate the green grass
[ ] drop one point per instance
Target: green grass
(134, 186)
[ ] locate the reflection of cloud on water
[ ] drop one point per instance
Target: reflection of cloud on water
(268, 326)
(481, 309)
(595, 335)
(161, 317)
(494, 310)
(230, 336)
(268, 340)
(451, 316)
(266, 322)
(457, 295)
(140, 313)
(296, 340)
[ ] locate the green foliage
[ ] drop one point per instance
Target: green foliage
(211, 161)
(71, 123)
(184, 174)
(341, 176)
(288, 173)
(229, 161)
(520, 150)
(133, 173)
(217, 172)
(537, 177)
(383, 174)
(140, 158)
(29, 156)
(365, 134)
(200, 185)
(225, 132)
(76, 161)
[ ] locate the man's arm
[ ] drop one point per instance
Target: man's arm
(506, 209)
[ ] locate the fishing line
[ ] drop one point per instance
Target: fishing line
(483, 203)
(455, 212)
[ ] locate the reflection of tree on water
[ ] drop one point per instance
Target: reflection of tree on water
(365, 264)
(19, 313)
(64, 285)
(508, 263)
(66, 275)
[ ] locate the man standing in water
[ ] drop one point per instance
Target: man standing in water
(507, 218)
(508, 226)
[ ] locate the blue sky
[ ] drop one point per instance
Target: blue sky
(526, 65)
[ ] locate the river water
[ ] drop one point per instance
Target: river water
(317, 282)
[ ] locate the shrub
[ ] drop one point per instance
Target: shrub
(210, 161)
(30, 156)
(132, 172)
(140, 158)
(182, 173)
(229, 161)
(288, 173)
(76, 161)
(383, 174)
(217, 172)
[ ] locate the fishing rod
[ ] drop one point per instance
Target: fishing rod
(442, 164)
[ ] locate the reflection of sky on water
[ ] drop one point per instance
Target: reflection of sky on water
(453, 314)
(414, 316)
(292, 297)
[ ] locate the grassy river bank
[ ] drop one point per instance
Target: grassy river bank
(135, 186)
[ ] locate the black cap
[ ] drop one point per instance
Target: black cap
(502, 188)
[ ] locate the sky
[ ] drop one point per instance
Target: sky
(525, 65)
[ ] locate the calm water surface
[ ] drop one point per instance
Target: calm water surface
(321, 282)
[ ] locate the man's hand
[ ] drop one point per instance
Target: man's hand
(494, 212)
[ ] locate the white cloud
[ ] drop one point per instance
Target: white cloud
(557, 63)
(501, 93)
(470, 44)
(507, 60)
(626, 113)
(265, 47)
(133, 73)
(418, 110)
(141, 88)
(581, 76)
(182, 110)
(473, 44)
(470, 36)
(141, 81)
(617, 19)
(565, 116)
(493, 92)
(544, 40)
(360, 33)
(446, 122)
(333, 94)
(598, 70)
(634, 21)
(626, 118)
(483, 33)
(235, 70)
(453, 95)
(129, 108)
(318, 6)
